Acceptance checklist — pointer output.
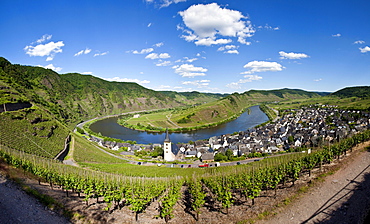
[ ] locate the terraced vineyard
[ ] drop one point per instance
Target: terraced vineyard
(32, 131)
(220, 187)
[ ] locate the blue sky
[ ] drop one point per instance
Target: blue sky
(187, 45)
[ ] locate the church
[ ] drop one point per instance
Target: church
(170, 150)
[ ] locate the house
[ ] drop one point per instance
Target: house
(207, 157)
(190, 154)
(201, 151)
(297, 143)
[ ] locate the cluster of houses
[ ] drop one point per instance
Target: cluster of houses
(301, 128)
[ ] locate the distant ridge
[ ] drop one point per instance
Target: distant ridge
(74, 97)
(357, 91)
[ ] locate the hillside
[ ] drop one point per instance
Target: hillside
(219, 192)
(63, 100)
(358, 91)
(74, 97)
(346, 98)
(213, 113)
(280, 94)
(194, 97)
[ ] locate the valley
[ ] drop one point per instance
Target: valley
(33, 136)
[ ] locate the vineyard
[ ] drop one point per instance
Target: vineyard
(217, 189)
(33, 131)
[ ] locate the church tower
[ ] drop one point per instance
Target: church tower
(167, 148)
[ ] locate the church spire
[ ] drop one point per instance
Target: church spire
(167, 139)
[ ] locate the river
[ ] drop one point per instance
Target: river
(109, 127)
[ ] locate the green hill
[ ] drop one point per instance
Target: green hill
(215, 112)
(74, 97)
(358, 91)
(194, 97)
(55, 103)
(61, 101)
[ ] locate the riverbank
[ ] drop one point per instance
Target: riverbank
(146, 122)
(109, 127)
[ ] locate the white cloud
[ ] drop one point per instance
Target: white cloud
(86, 51)
(156, 56)
(118, 79)
(365, 49)
(198, 83)
(227, 47)
(149, 25)
(262, 66)
(234, 85)
(160, 44)
(359, 42)
(143, 51)
(101, 54)
(207, 22)
(44, 38)
(190, 60)
(210, 41)
(317, 80)
(292, 55)
(248, 78)
(163, 63)
(231, 52)
(52, 67)
(86, 73)
(268, 27)
(336, 35)
(48, 49)
(164, 55)
(164, 3)
(190, 71)
(186, 59)
(152, 56)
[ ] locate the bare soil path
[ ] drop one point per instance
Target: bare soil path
(343, 197)
(18, 207)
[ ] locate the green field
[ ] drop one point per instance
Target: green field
(343, 103)
(191, 118)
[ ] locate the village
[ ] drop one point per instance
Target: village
(294, 130)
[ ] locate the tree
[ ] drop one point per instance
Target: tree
(158, 151)
(290, 139)
(229, 154)
(220, 157)
(80, 130)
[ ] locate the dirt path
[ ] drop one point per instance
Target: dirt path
(71, 161)
(18, 207)
(342, 198)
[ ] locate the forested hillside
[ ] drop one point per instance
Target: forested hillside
(74, 97)
(194, 97)
(232, 105)
(359, 91)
